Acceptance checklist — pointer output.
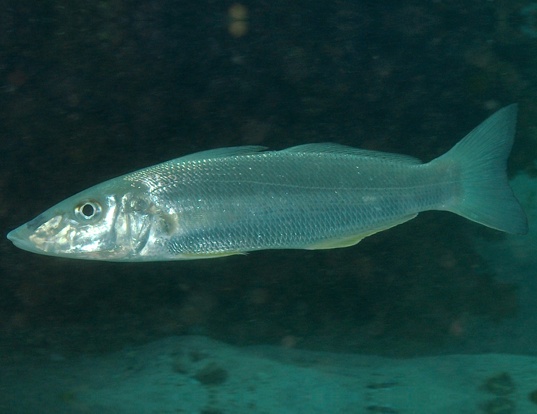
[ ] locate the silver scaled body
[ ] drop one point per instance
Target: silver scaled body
(316, 196)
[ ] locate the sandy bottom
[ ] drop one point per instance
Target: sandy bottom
(194, 374)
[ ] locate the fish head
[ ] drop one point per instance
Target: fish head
(100, 223)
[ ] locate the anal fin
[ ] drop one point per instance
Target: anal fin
(348, 241)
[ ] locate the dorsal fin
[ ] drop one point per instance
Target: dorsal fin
(331, 148)
(223, 152)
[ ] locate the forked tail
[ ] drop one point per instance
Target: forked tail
(481, 157)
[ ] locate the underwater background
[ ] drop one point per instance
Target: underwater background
(90, 90)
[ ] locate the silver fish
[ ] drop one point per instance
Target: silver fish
(315, 196)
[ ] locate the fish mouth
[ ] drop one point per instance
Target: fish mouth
(59, 236)
(38, 235)
(20, 237)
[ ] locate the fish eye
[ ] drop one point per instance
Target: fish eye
(88, 210)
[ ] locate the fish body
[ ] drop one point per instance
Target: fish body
(314, 196)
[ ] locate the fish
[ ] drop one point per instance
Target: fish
(234, 200)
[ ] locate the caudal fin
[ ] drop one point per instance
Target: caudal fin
(482, 156)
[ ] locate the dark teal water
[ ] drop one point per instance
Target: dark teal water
(91, 90)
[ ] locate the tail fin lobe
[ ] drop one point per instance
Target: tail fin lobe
(481, 156)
